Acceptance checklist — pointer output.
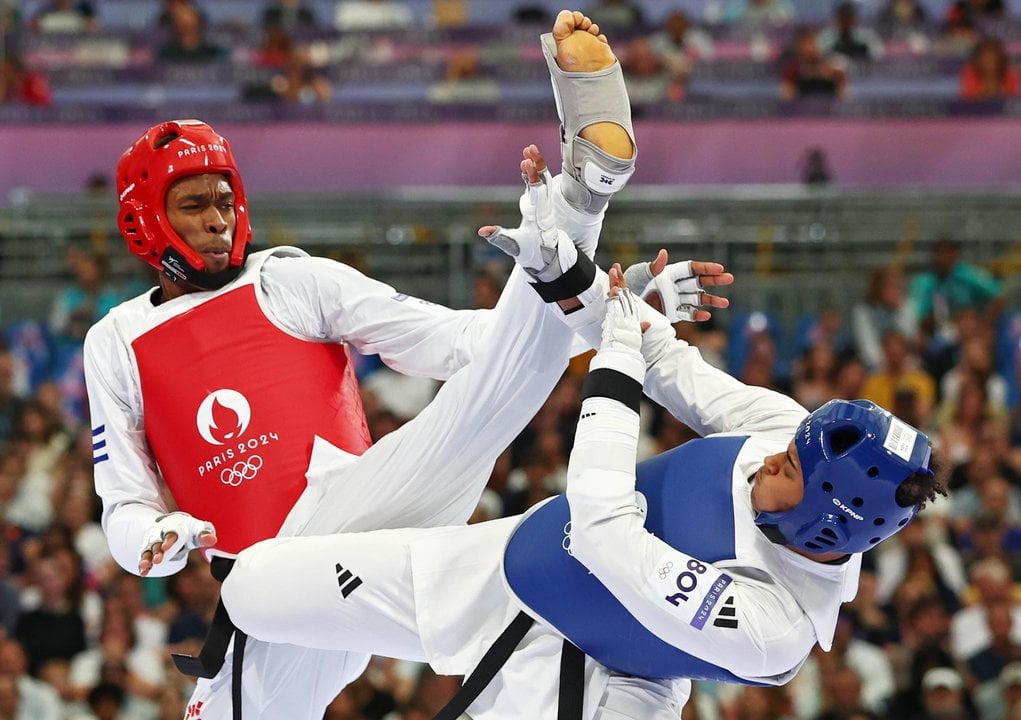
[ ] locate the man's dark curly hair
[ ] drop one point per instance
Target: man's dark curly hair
(921, 487)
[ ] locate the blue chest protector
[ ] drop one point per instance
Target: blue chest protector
(690, 507)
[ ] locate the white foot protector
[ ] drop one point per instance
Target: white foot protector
(590, 175)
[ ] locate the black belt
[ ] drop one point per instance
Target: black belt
(572, 674)
(208, 663)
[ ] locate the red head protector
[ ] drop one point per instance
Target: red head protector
(164, 154)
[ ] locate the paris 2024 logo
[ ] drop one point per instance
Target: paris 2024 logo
(222, 419)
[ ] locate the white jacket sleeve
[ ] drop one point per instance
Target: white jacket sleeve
(701, 396)
(125, 473)
(662, 587)
(705, 398)
(321, 298)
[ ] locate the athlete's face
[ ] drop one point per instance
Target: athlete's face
(779, 484)
(200, 209)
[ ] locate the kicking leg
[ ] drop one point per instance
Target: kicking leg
(432, 470)
(598, 148)
(348, 591)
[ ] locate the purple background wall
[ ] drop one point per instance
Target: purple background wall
(324, 157)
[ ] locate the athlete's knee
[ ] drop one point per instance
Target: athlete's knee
(243, 594)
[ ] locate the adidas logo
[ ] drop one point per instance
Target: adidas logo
(728, 615)
(347, 580)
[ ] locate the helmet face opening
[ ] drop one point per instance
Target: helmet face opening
(164, 154)
(854, 457)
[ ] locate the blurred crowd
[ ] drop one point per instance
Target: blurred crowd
(296, 44)
(935, 631)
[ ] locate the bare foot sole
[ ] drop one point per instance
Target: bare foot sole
(580, 45)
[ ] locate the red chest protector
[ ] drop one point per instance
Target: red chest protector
(231, 407)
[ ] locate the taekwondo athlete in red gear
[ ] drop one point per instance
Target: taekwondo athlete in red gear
(241, 400)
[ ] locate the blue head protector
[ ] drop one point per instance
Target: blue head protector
(853, 455)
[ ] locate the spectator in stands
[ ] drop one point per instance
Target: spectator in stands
(1009, 701)
(646, 75)
(944, 696)
(20, 85)
(807, 72)
(849, 377)
(993, 438)
(987, 663)
(991, 537)
(759, 703)
(107, 701)
(165, 19)
(989, 73)
(10, 602)
(885, 307)
(78, 306)
(189, 43)
(531, 13)
(32, 698)
(11, 403)
(55, 629)
(961, 424)
(39, 441)
(194, 592)
(144, 668)
(846, 37)
(679, 45)
(759, 13)
(969, 474)
(617, 13)
(290, 15)
(897, 16)
(872, 622)
(275, 51)
(922, 563)
(65, 16)
(969, 13)
(854, 674)
(355, 15)
(901, 370)
(10, 15)
(977, 361)
(991, 585)
(450, 13)
(841, 691)
(463, 81)
(486, 288)
(301, 83)
(537, 479)
(813, 376)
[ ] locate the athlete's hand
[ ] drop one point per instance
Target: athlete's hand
(171, 538)
(536, 244)
(677, 289)
(622, 328)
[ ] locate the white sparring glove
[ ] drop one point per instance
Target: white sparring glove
(622, 329)
(188, 530)
(677, 285)
(537, 245)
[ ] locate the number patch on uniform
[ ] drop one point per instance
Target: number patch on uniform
(689, 585)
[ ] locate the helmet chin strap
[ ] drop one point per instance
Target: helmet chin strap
(178, 271)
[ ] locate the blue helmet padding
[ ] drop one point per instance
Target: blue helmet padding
(850, 500)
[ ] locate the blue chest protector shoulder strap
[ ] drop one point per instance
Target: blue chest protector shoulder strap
(689, 493)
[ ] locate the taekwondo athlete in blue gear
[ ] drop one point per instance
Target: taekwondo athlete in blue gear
(689, 505)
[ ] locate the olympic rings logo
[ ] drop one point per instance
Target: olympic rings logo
(665, 570)
(566, 542)
(241, 471)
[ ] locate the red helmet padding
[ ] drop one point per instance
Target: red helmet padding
(147, 170)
